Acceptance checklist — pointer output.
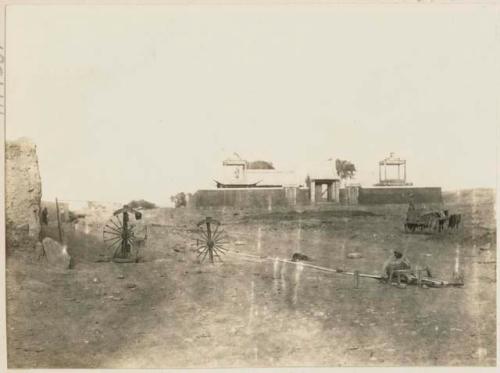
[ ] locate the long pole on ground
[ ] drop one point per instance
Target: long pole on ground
(356, 274)
(59, 222)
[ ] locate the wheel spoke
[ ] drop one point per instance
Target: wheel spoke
(112, 239)
(202, 251)
(202, 238)
(203, 234)
(112, 246)
(206, 252)
(112, 228)
(216, 237)
(215, 231)
(215, 252)
(111, 233)
(221, 241)
(221, 248)
(114, 222)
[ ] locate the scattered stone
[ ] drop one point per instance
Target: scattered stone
(300, 257)
(354, 256)
(131, 286)
(95, 280)
(56, 254)
(121, 277)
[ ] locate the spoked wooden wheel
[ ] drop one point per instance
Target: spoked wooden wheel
(210, 240)
(119, 238)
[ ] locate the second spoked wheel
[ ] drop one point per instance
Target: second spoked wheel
(210, 240)
(119, 238)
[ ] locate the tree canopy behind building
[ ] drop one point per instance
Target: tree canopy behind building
(345, 169)
(146, 205)
(260, 165)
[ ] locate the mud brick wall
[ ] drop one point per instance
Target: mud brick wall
(23, 193)
(390, 195)
(249, 198)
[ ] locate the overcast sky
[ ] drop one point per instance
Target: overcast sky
(143, 102)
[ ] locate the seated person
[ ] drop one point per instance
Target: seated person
(398, 262)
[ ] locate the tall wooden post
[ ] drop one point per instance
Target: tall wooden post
(210, 242)
(419, 277)
(59, 222)
(125, 236)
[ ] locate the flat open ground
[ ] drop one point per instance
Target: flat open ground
(171, 311)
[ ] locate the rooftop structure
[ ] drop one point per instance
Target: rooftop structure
(389, 166)
(239, 173)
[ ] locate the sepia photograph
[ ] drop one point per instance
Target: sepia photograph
(237, 185)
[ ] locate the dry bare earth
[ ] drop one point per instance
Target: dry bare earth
(170, 311)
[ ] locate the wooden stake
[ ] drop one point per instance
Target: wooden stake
(356, 279)
(59, 222)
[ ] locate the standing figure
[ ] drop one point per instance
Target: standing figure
(45, 216)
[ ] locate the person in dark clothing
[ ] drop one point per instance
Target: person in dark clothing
(45, 216)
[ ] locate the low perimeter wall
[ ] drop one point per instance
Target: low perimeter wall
(269, 198)
(250, 198)
(389, 195)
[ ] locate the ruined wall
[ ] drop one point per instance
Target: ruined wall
(390, 195)
(265, 198)
(23, 193)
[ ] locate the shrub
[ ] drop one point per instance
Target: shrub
(146, 205)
